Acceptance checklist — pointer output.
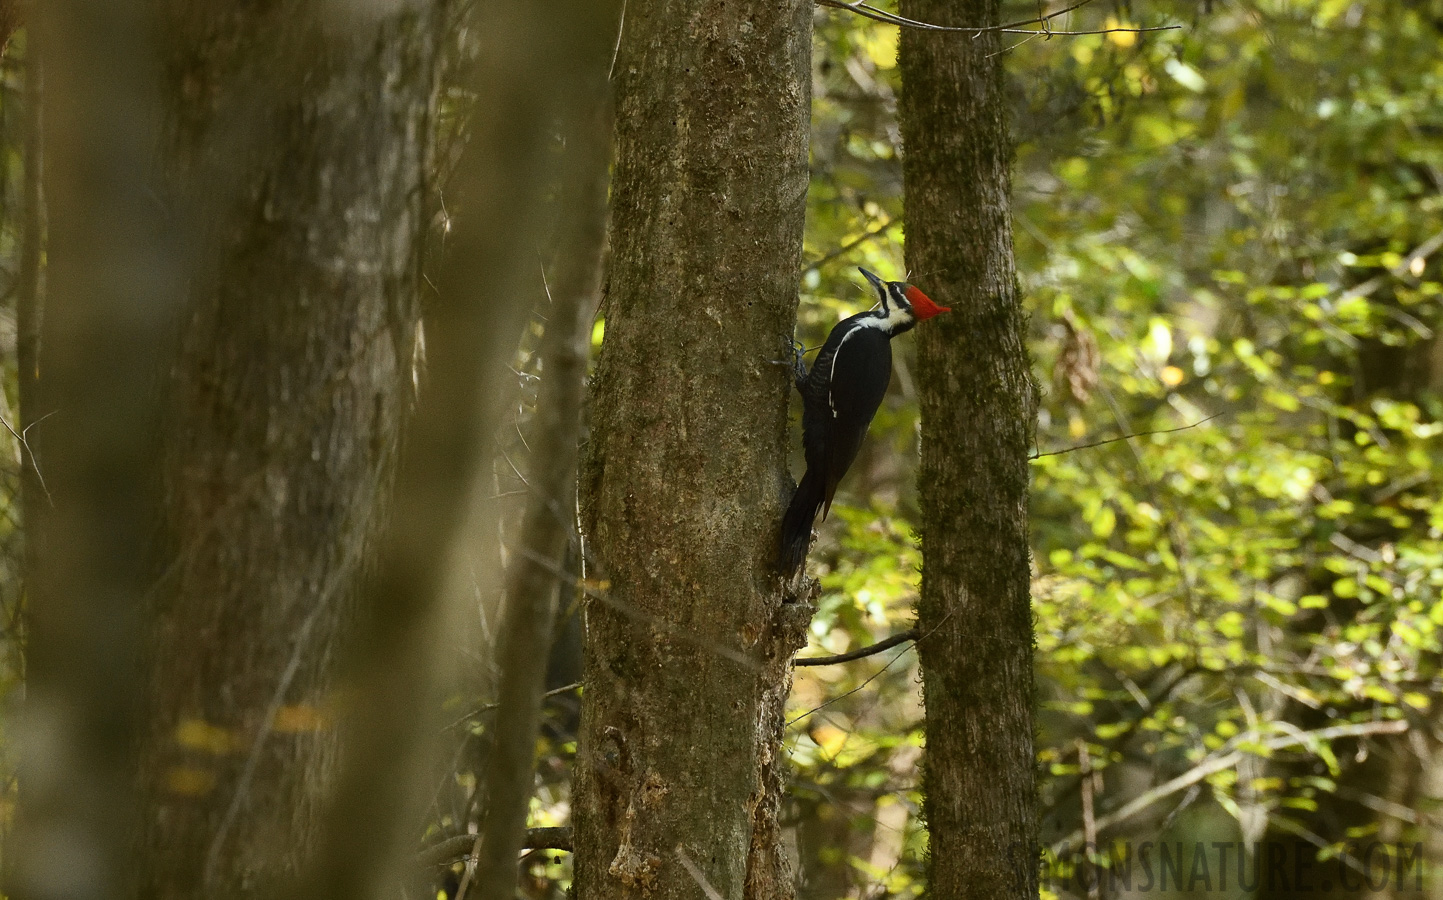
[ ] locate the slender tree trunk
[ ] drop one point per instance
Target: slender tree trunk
(29, 295)
(535, 60)
(538, 560)
(109, 280)
(296, 156)
(678, 775)
(977, 419)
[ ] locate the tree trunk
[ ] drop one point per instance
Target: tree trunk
(977, 418)
(534, 61)
(538, 561)
(108, 279)
(297, 154)
(678, 775)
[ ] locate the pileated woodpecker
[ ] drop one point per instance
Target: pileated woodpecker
(839, 398)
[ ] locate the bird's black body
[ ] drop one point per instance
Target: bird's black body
(840, 395)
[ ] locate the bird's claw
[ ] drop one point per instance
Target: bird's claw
(796, 362)
(799, 366)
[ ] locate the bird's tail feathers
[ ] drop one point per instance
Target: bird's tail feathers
(797, 523)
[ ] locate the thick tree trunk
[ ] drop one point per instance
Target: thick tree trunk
(299, 146)
(678, 775)
(977, 418)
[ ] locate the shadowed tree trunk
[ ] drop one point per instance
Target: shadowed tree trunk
(538, 560)
(678, 775)
(297, 150)
(536, 63)
(977, 418)
(110, 277)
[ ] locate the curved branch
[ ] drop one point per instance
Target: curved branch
(454, 849)
(909, 635)
(1123, 437)
(867, 11)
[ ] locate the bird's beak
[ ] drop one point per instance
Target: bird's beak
(877, 283)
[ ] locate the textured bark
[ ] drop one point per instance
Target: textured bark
(678, 775)
(977, 417)
(299, 146)
(108, 291)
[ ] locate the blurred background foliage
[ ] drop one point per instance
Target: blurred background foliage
(1229, 238)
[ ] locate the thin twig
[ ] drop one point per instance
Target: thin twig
(1125, 437)
(1011, 47)
(459, 847)
(697, 875)
(872, 12)
(1049, 33)
(874, 676)
(514, 470)
(487, 707)
(1318, 841)
(909, 635)
(854, 690)
(34, 464)
(853, 244)
(868, 11)
(616, 53)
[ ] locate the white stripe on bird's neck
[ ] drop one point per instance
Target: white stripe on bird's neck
(896, 317)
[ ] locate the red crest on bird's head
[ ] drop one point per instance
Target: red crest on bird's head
(922, 305)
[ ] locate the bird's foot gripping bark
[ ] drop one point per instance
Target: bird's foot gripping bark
(798, 364)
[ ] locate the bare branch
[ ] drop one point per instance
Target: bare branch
(853, 244)
(909, 635)
(868, 11)
(873, 678)
(487, 707)
(34, 464)
(1125, 437)
(463, 846)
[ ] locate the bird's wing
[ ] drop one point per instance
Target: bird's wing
(861, 370)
